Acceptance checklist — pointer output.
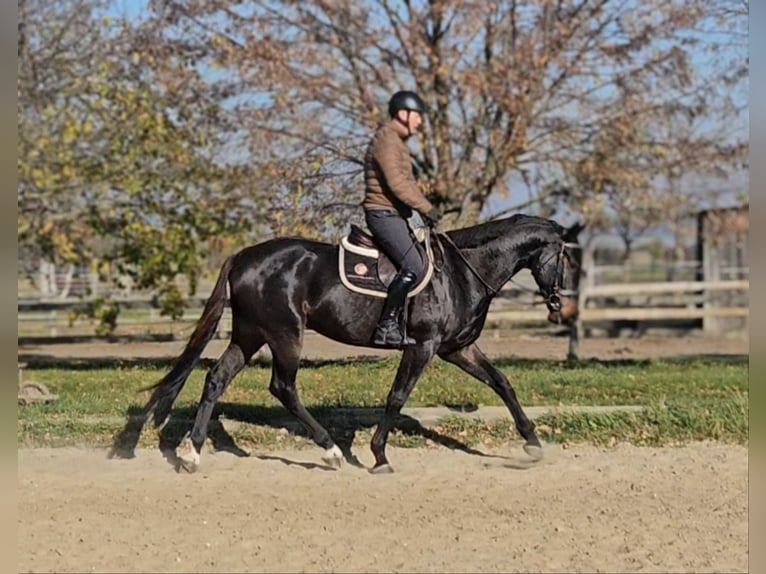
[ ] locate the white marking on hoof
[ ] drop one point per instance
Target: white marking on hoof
(333, 457)
(382, 469)
(188, 455)
(534, 451)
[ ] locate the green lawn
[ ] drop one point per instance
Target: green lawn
(686, 400)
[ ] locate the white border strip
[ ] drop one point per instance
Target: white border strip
(366, 251)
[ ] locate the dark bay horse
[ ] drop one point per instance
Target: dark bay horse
(283, 286)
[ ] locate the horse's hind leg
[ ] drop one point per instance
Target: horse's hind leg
(475, 363)
(285, 359)
(233, 360)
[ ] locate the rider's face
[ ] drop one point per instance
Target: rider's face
(414, 122)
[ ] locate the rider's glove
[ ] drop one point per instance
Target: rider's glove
(433, 216)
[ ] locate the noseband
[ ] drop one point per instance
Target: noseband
(554, 297)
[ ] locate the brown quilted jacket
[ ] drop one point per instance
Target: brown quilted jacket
(388, 174)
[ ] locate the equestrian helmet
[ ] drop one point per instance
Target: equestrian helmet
(406, 100)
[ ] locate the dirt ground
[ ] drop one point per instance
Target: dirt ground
(493, 344)
(582, 509)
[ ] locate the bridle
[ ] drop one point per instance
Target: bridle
(553, 299)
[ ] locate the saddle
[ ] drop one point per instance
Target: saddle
(365, 269)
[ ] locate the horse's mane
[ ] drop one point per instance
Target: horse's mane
(527, 225)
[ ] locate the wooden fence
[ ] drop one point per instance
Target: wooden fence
(656, 302)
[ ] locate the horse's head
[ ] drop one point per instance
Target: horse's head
(557, 273)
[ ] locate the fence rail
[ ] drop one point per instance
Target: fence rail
(50, 318)
(665, 287)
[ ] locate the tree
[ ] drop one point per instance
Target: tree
(512, 87)
(114, 171)
(643, 170)
(154, 144)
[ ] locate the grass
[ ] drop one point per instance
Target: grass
(685, 400)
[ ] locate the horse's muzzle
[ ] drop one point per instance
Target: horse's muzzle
(564, 312)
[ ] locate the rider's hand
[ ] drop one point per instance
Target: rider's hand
(433, 216)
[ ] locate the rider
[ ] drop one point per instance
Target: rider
(391, 195)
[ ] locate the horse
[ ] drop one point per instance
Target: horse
(282, 286)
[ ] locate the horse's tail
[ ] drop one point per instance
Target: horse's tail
(172, 383)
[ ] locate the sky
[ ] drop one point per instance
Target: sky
(129, 8)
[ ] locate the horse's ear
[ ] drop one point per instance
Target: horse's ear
(571, 233)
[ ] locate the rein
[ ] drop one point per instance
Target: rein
(489, 287)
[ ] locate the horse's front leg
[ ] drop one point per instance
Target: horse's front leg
(475, 363)
(414, 360)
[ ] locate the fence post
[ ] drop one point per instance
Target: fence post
(575, 328)
(52, 317)
(574, 340)
(587, 279)
(93, 280)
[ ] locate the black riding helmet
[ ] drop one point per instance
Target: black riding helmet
(406, 100)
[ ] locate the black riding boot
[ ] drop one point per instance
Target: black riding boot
(391, 330)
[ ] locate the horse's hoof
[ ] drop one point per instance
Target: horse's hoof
(534, 451)
(333, 457)
(190, 467)
(188, 457)
(382, 469)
